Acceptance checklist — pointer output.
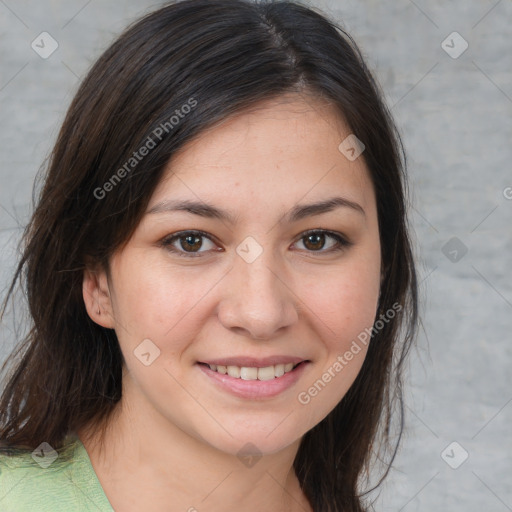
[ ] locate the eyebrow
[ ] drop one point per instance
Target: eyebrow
(295, 214)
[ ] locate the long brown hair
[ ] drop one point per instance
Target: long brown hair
(227, 56)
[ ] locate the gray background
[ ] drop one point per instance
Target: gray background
(455, 117)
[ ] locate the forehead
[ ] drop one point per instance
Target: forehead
(277, 152)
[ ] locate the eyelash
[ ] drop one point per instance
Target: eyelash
(342, 242)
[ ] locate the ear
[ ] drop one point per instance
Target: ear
(97, 298)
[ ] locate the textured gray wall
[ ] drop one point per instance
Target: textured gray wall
(454, 112)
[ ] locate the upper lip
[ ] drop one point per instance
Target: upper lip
(254, 362)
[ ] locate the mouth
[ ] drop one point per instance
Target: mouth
(253, 372)
(254, 378)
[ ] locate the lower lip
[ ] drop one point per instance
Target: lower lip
(255, 389)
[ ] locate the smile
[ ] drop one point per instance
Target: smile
(254, 382)
(253, 373)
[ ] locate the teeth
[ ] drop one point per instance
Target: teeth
(266, 373)
(247, 373)
(234, 371)
(252, 373)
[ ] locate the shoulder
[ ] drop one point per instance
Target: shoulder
(45, 480)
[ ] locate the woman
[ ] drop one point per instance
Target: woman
(219, 275)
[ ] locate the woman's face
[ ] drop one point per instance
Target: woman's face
(254, 292)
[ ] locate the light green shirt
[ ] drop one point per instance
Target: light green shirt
(67, 484)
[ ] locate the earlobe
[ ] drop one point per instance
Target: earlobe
(97, 297)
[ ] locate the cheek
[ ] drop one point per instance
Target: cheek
(150, 294)
(345, 300)
(345, 305)
(344, 323)
(154, 301)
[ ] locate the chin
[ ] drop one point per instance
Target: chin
(256, 438)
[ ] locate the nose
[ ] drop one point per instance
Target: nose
(258, 301)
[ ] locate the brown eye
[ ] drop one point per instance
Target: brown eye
(188, 243)
(315, 241)
(193, 242)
